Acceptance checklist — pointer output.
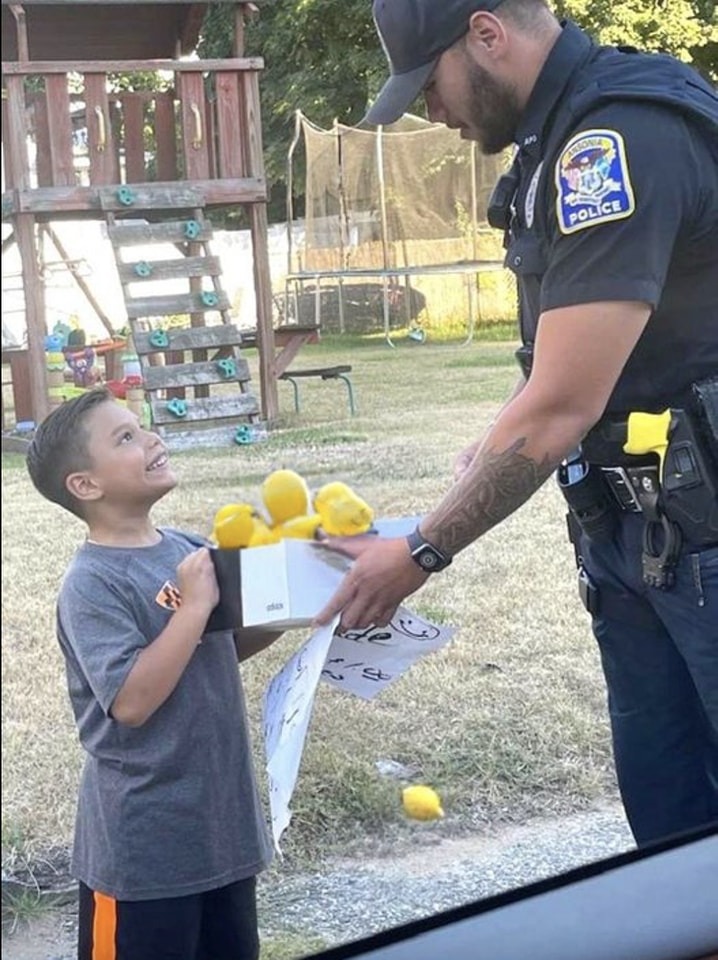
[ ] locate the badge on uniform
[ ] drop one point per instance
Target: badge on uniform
(593, 181)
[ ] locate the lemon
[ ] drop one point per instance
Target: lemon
(299, 528)
(343, 512)
(285, 495)
(262, 535)
(234, 525)
(229, 511)
(421, 803)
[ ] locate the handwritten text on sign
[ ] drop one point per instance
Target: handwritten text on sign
(364, 662)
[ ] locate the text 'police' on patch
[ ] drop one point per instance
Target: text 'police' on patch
(593, 181)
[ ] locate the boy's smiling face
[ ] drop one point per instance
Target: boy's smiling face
(129, 465)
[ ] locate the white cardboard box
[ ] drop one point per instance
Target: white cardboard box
(281, 585)
(287, 583)
(284, 584)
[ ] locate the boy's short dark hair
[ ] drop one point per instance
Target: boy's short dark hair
(59, 448)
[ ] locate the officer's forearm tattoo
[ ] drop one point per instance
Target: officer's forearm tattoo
(496, 484)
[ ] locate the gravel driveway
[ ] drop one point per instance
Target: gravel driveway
(352, 898)
(355, 898)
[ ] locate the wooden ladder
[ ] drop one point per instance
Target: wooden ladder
(221, 407)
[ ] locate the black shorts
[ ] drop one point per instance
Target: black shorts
(217, 925)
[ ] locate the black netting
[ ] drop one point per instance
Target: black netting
(409, 194)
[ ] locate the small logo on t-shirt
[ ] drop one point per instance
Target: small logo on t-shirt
(169, 596)
(593, 181)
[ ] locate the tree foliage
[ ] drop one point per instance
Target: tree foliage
(323, 57)
(685, 28)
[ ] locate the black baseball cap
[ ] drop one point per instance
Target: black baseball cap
(414, 34)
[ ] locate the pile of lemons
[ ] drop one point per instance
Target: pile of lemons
(292, 511)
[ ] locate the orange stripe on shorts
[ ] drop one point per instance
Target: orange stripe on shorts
(104, 927)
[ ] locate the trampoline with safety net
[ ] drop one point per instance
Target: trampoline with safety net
(394, 229)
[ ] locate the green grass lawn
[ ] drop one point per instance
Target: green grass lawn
(508, 721)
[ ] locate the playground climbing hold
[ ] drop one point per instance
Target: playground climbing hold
(243, 435)
(159, 339)
(143, 269)
(192, 229)
(125, 196)
(227, 367)
(210, 298)
(177, 407)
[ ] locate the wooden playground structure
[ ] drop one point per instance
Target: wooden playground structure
(159, 157)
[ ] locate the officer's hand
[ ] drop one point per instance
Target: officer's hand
(382, 575)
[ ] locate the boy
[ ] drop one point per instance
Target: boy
(170, 833)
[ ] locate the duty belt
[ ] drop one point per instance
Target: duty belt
(635, 489)
(663, 465)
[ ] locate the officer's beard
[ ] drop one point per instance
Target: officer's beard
(494, 110)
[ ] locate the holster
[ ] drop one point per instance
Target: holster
(689, 494)
(589, 500)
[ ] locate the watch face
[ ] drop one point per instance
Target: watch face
(425, 555)
(428, 559)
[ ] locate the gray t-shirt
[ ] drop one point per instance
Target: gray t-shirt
(170, 808)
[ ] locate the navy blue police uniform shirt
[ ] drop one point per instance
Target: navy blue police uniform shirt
(623, 207)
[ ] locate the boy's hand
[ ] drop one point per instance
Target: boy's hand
(197, 581)
(160, 665)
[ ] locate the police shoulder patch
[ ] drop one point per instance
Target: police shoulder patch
(592, 181)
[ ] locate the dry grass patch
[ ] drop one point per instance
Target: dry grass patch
(508, 720)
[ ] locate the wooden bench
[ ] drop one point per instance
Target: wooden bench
(326, 373)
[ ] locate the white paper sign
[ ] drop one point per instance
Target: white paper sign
(361, 662)
(365, 662)
(287, 708)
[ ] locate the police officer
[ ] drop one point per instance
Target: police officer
(611, 213)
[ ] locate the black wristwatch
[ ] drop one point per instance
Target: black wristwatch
(425, 554)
